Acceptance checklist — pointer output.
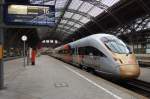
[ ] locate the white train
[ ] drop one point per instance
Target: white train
(103, 53)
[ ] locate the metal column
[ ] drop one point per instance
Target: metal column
(24, 53)
(1, 46)
(1, 60)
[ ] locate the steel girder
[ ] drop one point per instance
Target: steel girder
(133, 26)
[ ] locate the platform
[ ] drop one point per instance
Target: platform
(53, 79)
(145, 73)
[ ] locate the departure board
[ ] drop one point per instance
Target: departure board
(29, 14)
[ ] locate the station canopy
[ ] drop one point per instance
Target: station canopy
(70, 15)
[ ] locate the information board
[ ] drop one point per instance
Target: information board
(29, 15)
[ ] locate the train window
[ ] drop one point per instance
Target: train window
(116, 45)
(60, 51)
(81, 50)
(73, 51)
(89, 50)
(64, 51)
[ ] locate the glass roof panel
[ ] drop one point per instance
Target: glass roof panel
(43, 2)
(76, 16)
(56, 21)
(72, 29)
(61, 26)
(77, 25)
(81, 6)
(148, 25)
(139, 28)
(67, 31)
(75, 4)
(68, 14)
(70, 23)
(85, 20)
(49, 2)
(110, 2)
(58, 29)
(57, 14)
(64, 31)
(95, 11)
(85, 7)
(63, 21)
(60, 3)
(66, 27)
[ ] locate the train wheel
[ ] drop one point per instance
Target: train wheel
(80, 66)
(91, 70)
(84, 68)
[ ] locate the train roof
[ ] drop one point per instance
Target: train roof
(95, 36)
(100, 35)
(91, 40)
(86, 40)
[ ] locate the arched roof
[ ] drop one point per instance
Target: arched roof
(70, 15)
(79, 11)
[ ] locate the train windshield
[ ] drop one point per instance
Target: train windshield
(116, 45)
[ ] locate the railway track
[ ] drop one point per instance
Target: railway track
(139, 86)
(135, 85)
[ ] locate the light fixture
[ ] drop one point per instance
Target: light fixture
(98, 0)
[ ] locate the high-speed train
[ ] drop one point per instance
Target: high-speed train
(101, 52)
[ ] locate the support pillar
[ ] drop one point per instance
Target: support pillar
(1, 46)
(1, 60)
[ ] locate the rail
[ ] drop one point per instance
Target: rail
(139, 86)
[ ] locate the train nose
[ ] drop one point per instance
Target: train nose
(129, 71)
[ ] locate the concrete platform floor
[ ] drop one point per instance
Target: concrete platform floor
(53, 79)
(145, 73)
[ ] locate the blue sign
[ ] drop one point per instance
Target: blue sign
(30, 15)
(17, 1)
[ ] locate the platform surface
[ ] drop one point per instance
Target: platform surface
(145, 74)
(53, 79)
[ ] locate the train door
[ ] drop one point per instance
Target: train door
(74, 55)
(93, 57)
(88, 57)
